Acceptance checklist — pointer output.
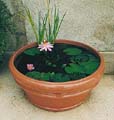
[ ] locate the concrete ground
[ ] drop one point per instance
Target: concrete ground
(15, 106)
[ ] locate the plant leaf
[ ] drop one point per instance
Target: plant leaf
(72, 51)
(79, 58)
(90, 66)
(32, 23)
(32, 51)
(74, 68)
(59, 77)
(38, 75)
(55, 77)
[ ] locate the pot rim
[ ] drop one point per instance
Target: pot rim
(34, 81)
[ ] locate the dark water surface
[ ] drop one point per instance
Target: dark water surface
(65, 63)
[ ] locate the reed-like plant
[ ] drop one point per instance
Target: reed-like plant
(54, 26)
(48, 25)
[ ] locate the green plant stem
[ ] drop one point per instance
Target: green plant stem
(48, 26)
(32, 23)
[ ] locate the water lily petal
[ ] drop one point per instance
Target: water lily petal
(30, 67)
(47, 46)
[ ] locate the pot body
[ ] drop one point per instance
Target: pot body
(57, 96)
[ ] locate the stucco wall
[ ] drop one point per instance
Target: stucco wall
(17, 39)
(88, 21)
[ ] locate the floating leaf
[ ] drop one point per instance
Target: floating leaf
(72, 51)
(45, 76)
(55, 77)
(84, 58)
(50, 64)
(32, 51)
(38, 75)
(90, 66)
(74, 68)
(92, 57)
(79, 58)
(77, 76)
(58, 77)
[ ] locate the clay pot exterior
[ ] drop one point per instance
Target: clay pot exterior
(57, 96)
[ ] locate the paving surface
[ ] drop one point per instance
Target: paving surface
(15, 106)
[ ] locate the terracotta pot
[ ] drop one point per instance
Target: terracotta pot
(57, 96)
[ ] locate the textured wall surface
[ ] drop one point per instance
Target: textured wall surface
(19, 37)
(88, 21)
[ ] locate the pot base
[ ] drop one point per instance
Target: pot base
(57, 104)
(60, 109)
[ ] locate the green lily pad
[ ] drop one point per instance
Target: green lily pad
(79, 58)
(90, 66)
(74, 68)
(77, 76)
(58, 77)
(32, 51)
(72, 51)
(55, 77)
(92, 57)
(38, 75)
(45, 76)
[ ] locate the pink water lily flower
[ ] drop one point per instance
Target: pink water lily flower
(45, 45)
(30, 67)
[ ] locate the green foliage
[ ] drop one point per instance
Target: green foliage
(1, 58)
(77, 76)
(56, 66)
(3, 43)
(38, 75)
(42, 22)
(50, 64)
(55, 77)
(6, 27)
(42, 27)
(54, 25)
(92, 57)
(59, 77)
(74, 68)
(31, 22)
(48, 25)
(63, 67)
(32, 51)
(72, 51)
(90, 66)
(83, 63)
(79, 58)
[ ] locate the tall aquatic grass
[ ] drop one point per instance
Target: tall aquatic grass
(48, 25)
